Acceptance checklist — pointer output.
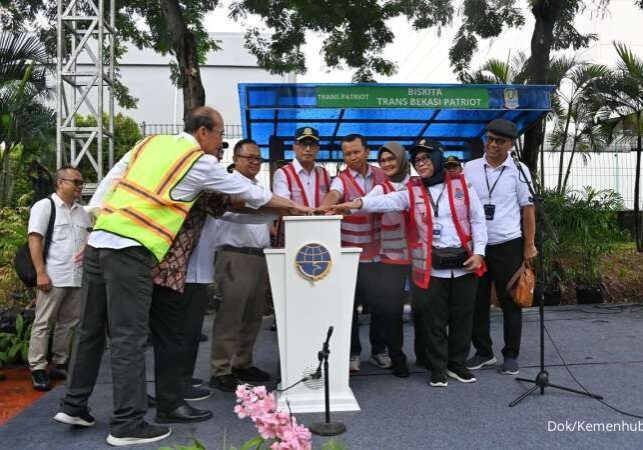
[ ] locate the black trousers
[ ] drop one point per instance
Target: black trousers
(176, 320)
(381, 287)
(502, 262)
(116, 297)
(197, 297)
(447, 302)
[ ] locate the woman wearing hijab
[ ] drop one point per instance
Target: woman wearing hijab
(387, 325)
(447, 240)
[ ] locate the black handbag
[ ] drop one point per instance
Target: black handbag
(449, 257)
(22, 260)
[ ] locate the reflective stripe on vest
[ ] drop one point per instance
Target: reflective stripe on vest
(421, 229)
(361, 230)
(140, 206)
(394, 242)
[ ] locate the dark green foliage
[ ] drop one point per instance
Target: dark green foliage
(14, 346)
(583, 228)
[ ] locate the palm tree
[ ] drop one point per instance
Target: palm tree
(621, 94)
(24, 119)
(574, 108)
(495, 71)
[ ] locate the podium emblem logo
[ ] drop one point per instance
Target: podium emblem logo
(313, 262)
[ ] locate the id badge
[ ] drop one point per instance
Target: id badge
(437, 230)
(489, 211)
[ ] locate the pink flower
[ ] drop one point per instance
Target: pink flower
(261, 407)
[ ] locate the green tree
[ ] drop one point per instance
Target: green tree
(621, 95)
(576, 111)
(24, 119)
(553, 30)
(167, 26)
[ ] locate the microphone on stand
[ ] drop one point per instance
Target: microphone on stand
(514, 156)
(326, 428)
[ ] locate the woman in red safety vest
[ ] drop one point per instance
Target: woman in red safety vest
(447, 237)
(395, 261)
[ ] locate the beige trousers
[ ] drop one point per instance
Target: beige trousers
(58, 308)
(242, 280)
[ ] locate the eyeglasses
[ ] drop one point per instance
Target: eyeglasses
(498, 140)
(77, 183)
(421, 161)
(256, 159)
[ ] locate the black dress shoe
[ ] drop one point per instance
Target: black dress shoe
(225, 383)
(59, 372)
(252, 374)
(40, 380)
(183, 414)
(401, 370)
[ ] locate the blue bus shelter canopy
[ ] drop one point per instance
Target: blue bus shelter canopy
(454, 114)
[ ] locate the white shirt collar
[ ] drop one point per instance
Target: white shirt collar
(245, 178)
(507, 162)
(188, 136)
(355, 173)
(60, 202)
(299, 168)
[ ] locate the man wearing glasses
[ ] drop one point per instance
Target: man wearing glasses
(59, 274)
(241, 274)
(302, 181)
(511, 226)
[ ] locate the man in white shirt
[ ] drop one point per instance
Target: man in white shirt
(241, 274)
(59, 277)
(302, 180)
(307, 181)
(156, 186)
(511, 226)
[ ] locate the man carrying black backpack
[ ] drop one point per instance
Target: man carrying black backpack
(58, 275)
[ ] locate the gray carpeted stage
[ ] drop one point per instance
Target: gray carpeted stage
(603, 347)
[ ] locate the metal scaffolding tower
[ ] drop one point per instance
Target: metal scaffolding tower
(85, 69)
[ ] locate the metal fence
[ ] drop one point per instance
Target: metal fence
(614, 169)
(604, 170)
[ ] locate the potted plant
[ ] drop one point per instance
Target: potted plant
(592, 220)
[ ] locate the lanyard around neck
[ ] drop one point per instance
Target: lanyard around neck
(490, 189)
(435, 204)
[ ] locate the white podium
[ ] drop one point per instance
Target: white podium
(313, 284)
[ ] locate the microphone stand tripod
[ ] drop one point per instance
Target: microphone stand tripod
(542, 379)
(326, 428)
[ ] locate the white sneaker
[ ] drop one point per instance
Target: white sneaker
(354, 363)
(381, 360)
(82, 420)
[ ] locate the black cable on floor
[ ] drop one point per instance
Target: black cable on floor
(625, 413)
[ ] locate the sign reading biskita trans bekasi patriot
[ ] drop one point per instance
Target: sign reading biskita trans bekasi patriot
(401, 97)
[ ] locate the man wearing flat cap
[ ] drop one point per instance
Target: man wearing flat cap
(511, 226)
(302, 180)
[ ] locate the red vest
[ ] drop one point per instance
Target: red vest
(421, 225)
(361, 230)
(393, 235)
(298, 194)
(296, 187)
